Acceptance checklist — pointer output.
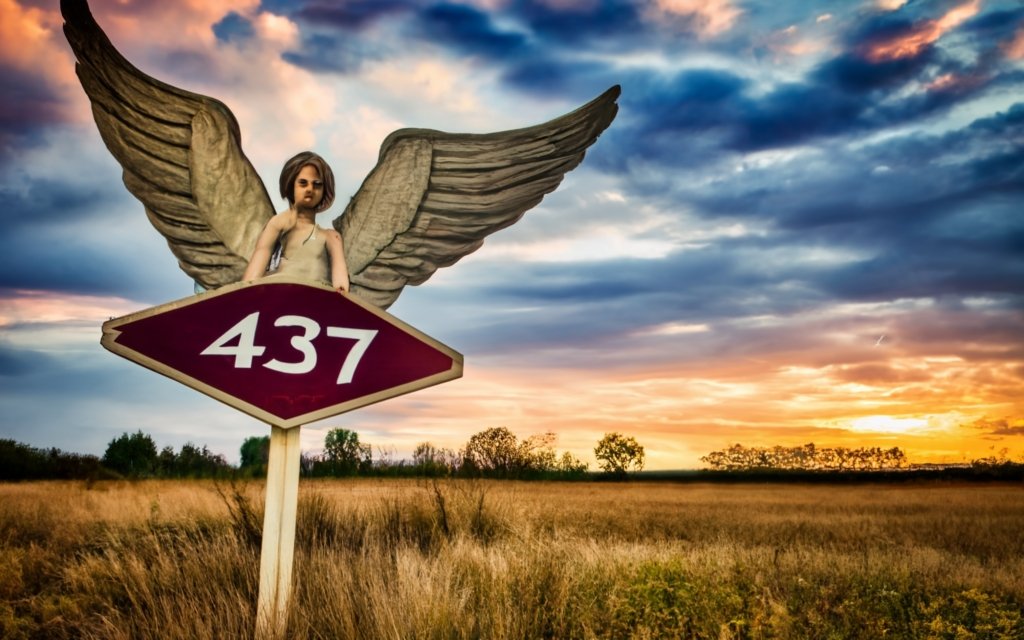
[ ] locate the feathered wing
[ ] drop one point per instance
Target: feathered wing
(180, 153)
(433, 196)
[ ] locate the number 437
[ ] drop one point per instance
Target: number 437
(246, 349)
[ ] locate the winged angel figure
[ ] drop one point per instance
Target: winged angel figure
(431, 199)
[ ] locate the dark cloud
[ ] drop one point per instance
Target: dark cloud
(68, 268)
(29, 104)
(19, 362)
(852, 73)
(999, 426)
(844, 96)
(469, 31)
(546, 76)
(34, 202)
(595, 24)
(330, 53)
(52, 241)
(333, 37)
(234, 28)
(995, 25)
(349, 15)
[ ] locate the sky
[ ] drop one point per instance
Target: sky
(804, 225)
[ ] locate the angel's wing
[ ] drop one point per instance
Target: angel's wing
(180, 153)
(433, 196)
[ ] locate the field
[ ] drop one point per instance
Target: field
(491, 559)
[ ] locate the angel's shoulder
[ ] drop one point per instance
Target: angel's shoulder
(332, 235)
(283, 221)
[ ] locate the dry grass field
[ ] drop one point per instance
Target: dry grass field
(489, 559)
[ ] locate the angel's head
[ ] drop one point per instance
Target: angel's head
(290, 178)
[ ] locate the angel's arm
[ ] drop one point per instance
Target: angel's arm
(339, 270)
(260, 259)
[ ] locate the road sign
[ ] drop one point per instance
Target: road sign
(284, 351)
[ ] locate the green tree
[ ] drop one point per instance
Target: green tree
(21, 462)
(618, 454)
(493, 450)
(199, 462)
(432, 461)
(344, 454)
(255, 453)
(167, 462)
(497, 452)
(132, 455)
(572, 467)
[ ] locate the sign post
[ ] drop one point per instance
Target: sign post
(287, 352)
(278, 534)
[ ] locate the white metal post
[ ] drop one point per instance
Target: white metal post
(278, 548)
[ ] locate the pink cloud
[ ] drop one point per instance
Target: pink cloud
(708, 18)
(26, 306)
(1014, 48)
(923, 34)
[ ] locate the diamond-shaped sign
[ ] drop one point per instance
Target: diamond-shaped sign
(287, 352)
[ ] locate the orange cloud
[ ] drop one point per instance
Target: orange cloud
(925, 33)
(1014, 49)
(24, 306)
(953, 82)
(31, 41)
(708, 17)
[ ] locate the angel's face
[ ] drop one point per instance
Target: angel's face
(308, 188)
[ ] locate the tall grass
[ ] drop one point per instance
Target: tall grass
(490, 559)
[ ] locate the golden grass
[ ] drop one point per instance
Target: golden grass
(491, 559)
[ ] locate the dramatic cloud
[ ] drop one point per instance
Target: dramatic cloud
(802, 226)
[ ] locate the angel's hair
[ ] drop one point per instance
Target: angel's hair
(291, 171)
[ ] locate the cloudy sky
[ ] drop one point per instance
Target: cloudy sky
(805, 224)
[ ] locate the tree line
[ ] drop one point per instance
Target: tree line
(492, 453)
(808, 457)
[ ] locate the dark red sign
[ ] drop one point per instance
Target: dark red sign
(283, 351)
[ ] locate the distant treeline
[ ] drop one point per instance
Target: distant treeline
(127, 456)
(809, 457)
(21, 462)
(492, 453)
(976, 471)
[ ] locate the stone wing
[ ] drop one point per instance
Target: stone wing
(433, 196)
(180, 153)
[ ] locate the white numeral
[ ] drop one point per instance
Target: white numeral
(363, 338)
(246, 349)
(303, 344)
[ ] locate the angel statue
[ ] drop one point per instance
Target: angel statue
(299, 246)
(431, 199)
